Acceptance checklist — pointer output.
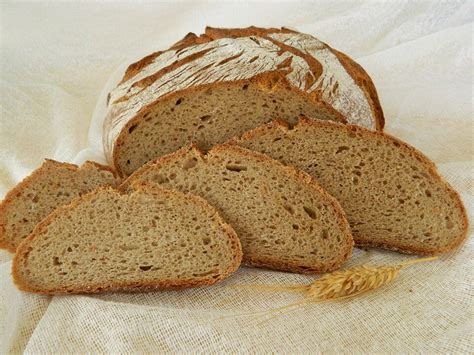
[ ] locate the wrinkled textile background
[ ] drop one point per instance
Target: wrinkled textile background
(56, 60)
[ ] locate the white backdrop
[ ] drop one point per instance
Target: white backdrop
(56, 59)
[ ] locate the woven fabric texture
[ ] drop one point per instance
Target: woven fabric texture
(58, 61)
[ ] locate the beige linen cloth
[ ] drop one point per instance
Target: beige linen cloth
(55, 62)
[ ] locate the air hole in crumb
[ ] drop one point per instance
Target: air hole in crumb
(276, 139)
(235, 168)
(146, 267)
(245, 87)
(449, 223)
(296, 227)
(158, 179)
(205, 118)
(289, 208)
(206, 240)
(179, 101)
(428, 193)
(132, 128)
(128, 247)
(190, 163)
(324, 234)
(310, 212)
(69, 249)
(341, 149)
(56, 261)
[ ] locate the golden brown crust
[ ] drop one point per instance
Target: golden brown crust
(217, 33)
(298, 175)
(430, 166)
(30, 179)
(134, 68)
(190, 39)
(23, 249)
(100, 167)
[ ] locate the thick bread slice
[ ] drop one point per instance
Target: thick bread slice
(392, 194)
(52, 185)
(283, 218)
(149, 238)
(209, 88)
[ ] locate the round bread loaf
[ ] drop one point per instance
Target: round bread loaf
(206, 89)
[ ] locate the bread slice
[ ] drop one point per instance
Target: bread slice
(392, 194)
(149, 238)
(52, 185)
(283, 218)
(209, 88)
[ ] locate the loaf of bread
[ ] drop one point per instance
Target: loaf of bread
(52, 185)
(283, 218)
(392, 194)
(206, 89)
(149, 238)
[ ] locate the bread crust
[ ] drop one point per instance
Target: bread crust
(22, 251)
(265, 80)
(429, 165)
(302, 177)
(31, 179)
(364, 81)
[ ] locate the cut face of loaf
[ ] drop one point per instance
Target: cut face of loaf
(210, 88)
(149, 238)
(52, 185)
(392, 195)
(284, 220)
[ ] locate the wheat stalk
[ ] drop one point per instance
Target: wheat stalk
(346, 283)
(337, 285)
